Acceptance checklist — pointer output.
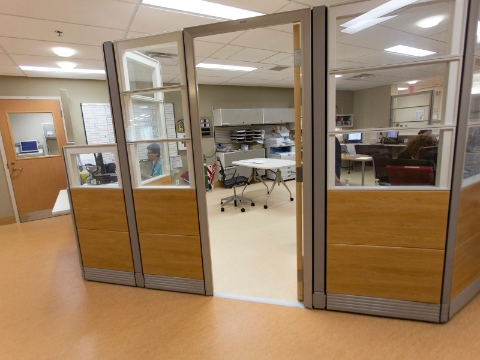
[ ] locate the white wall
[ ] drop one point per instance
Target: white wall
(371, 107)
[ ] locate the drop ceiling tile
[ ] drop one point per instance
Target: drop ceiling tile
(51, 61)
(252, 55)
(431, 45)
(286, 62)
(44, 48)
(287, 28)
(218, 73)
(348, 52)
(6, 61)
(152, 20)
(171, 70)
(134, 34)
(265, 39)
(275, 58)
(205, 49)
(265, 7)
(34, 29)
(273, 75)
(10, 71)
(236, 63)
(324, 2)
(221, 38)
(169, 78)
(377, 37)
(66, 76)
(443, 36)
(385, 57)
(226, 51)
(99, 13)
(291, 6)
(212, 80)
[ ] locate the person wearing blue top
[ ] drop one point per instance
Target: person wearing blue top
(153, 153)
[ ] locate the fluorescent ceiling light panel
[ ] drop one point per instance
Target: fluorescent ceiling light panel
(410, 51)
(60, 70)
(379, 11)
(67, 65)
(206, 8)
(402, 88)
(478, 32)
(338, 76)
(412, 82)
(365, 24)
(226, 67)
(476, 88)
(430, 22)
(63, 51)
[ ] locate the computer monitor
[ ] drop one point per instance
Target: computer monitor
(392, 134)
(354, 138)
(28, 146)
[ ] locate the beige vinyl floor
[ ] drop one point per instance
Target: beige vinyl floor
(47, 311)
(254, 252)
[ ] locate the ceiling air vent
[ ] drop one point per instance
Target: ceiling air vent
(279, 68)
(164, 58)
(361, 77)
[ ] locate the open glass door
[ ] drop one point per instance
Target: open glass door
(151, 77)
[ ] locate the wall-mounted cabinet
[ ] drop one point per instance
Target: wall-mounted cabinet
(233, 117)
(344, 120)
(278, 116)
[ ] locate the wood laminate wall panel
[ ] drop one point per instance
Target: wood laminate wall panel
(99, 209)
(416, 219)
(171, 255)
(106, 249)
(166, 211)
(466, 268)
(468, 225)
(385, 272)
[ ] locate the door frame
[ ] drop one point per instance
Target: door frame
(2, 146)
(299, 16)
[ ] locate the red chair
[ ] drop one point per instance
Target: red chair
(411, 175)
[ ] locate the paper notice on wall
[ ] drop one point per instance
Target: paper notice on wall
(176, 162)
(351, 149)
(373, 136)
(419, 115)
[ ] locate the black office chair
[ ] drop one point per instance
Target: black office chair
(380, 162)
(232, 183)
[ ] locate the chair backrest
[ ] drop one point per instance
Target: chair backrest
(222, 170)
(380, 162)
(411, 175)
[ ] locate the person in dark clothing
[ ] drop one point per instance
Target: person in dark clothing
(338, 162)
(413, 147)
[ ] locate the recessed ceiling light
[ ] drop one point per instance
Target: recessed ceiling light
(402, 88)
(478, 32)
(63, 51)
(430, 22)
(379, 11)
(412, 82)
(226, 67)
(411, 51)
(200, 7)
(51, 69)
(365, 24)
(67, 65)
(338, 76)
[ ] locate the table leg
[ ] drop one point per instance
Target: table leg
(278, 179)
(363, 172)
(256, 177)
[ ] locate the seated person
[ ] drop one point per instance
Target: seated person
(153, 153)
(425, 132)
(413, 147)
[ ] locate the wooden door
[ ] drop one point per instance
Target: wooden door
(36, 179)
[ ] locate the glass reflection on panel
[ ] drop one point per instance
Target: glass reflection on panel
(472, 154)
(387, 158)
(160, 164)
(399, 97)
(411, 32)
(96, 168)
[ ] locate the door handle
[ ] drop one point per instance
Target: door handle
(15, 168)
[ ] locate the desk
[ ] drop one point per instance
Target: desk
(268, 164)
(62, 205)
(358, 157)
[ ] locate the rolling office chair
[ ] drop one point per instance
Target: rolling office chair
(380, 162)
(232, 183)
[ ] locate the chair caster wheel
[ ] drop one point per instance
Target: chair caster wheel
(291, 199)
(243, 210)
(253, 204)
(221, 202)
(223, 209)
(265, 206)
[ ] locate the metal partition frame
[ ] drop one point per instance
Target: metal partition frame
(304, 18)
(459, 156)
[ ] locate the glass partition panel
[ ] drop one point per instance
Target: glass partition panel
(391, 32)
(92, 166)
(471, 171)
(160, 164)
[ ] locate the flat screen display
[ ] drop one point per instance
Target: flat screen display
(354, 137)
(392, 134)
(28, 146)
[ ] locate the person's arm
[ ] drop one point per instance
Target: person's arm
(337, 181)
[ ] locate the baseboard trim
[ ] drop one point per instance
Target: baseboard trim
(172, 283)
(109, 276)
(319, 300)
(7, 220)
(464, 297)
(384, 307)
(36, 215)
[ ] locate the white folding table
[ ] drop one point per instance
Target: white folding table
(268, 164)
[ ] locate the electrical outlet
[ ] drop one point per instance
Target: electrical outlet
(177, 182)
